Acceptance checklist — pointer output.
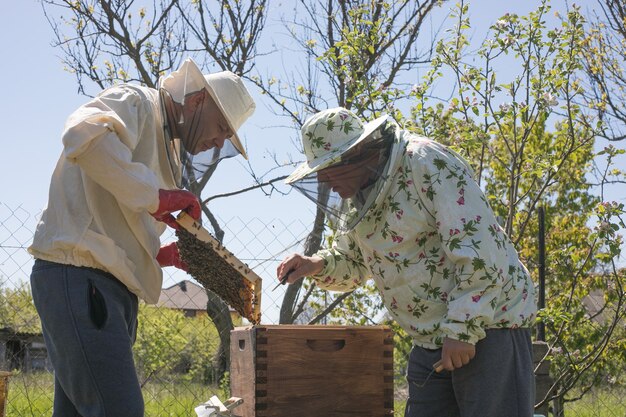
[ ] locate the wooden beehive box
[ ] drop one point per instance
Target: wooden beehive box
(312, 371)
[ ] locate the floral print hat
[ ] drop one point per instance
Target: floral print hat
(336, 138)
(329, 134)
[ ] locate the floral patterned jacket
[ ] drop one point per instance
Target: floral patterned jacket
(443, 265)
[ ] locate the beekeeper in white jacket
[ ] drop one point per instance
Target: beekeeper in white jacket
(127, 155)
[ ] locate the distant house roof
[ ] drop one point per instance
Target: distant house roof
(8, 332)
(594, 303)
(184, 295)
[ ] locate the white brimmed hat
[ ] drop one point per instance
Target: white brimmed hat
(226, 88)
(329, 134)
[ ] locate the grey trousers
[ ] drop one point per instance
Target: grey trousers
(89, 322)
(498, 382)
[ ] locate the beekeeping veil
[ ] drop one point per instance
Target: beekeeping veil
(336, 140)
(232, 99)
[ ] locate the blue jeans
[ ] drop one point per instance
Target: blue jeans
(89, 322)
(498, 382)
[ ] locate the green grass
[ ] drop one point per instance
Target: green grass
(604, 402)
(398, 408)
(31, 395)
(176, 398)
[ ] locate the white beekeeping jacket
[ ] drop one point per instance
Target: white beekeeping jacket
(103, 188)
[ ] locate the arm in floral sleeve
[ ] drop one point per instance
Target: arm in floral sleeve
(343, 266)
(470, 236)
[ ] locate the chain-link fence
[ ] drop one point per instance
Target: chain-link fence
(177, 344)
(176, 341)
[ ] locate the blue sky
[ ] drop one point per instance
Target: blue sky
(38, 95)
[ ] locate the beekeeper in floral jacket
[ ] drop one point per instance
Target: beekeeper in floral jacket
(409, 215)
(126, 156)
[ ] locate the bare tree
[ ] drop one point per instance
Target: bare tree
(355, 50)
(109, 41)
(354, 54)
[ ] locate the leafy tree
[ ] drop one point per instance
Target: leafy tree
(159, 341)
(531, 143)
(604, 65)
(169, 343)
(17, 310)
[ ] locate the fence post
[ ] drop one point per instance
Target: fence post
(541, 329)
(543, 382)
(4, 391)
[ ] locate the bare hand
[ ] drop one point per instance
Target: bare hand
(455, 353)
(300, 266)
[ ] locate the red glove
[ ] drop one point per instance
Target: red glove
(175, 200)
(170, 256)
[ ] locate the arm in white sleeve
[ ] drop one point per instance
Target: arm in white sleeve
(109, 163)
(101, 137)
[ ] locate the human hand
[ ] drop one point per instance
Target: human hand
(170, 256)
(455, 353)
(300, 266)
(175, 200)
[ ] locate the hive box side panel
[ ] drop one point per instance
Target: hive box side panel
(242, 369)
(325, 370)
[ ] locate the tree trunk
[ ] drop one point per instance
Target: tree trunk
(219, 313)
(312, 245)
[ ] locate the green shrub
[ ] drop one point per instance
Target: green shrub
(168, 343)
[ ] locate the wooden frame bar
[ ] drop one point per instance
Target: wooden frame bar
(196, 229)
